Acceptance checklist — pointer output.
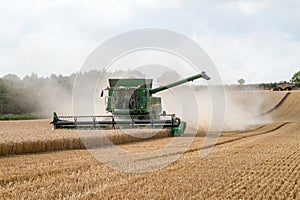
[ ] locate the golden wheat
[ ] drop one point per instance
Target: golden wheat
(264, 167)
(261, 163)
(33, 136)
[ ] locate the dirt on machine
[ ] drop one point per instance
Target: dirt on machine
(132, 105)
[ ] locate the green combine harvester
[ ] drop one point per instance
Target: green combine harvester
(132, 105)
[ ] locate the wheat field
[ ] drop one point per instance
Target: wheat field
(259, 163)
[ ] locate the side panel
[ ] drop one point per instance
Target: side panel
(108, 104)
(108, 101)
(142, 101)
(155, 105)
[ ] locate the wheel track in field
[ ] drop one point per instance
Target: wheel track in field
(262, 172)
(286, 101)
(75, 144)
(224, 142)
(277, 105)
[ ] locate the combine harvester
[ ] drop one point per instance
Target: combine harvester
(132, 105)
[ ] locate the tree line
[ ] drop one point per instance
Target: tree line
(43, 95)
(21, 96)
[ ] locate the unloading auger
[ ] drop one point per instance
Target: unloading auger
(132, 105)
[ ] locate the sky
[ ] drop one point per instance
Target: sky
(257, 40)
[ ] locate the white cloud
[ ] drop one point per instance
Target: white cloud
(161, 4)
(53, 36)
(256, 57)
(249, 7)
(251, 39)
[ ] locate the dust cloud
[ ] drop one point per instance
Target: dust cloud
(239, 109)
(193, 104)
(243, 110)
(51, 96)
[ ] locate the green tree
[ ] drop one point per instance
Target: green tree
(241, 81)
(296, 77)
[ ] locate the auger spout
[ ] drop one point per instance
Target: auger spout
(165, 87)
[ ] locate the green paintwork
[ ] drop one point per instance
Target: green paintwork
(134, 96)
(159, 89)
(132, 104)
(177, 131)
(137, 82)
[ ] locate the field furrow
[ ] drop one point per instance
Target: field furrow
(258, 163)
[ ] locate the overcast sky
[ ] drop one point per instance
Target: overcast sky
(258, 40)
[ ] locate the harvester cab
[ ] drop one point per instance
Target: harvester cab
(129, 97)
(132, 104)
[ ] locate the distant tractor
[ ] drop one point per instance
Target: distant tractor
(284, 85)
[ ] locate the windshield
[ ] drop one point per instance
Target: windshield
(124, 98)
